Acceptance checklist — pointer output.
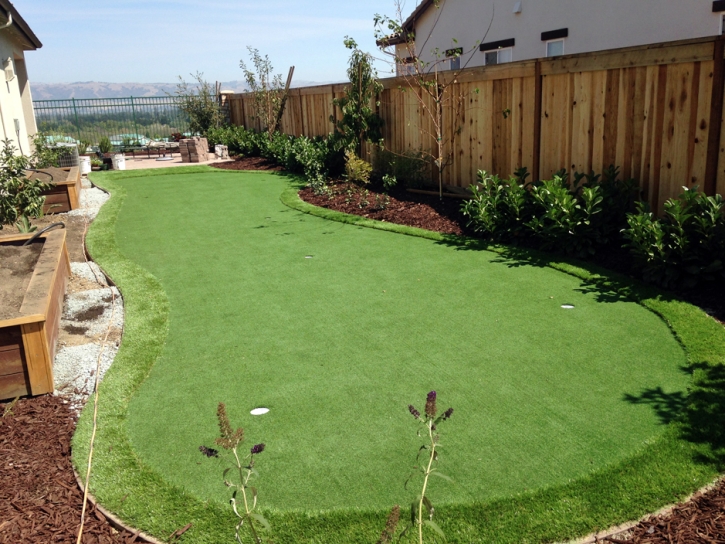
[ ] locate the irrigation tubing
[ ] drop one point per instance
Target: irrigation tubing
(46, 229)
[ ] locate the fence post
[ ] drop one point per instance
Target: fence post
(133, 113)
(75, 114)
(716, 111)
(535, 173)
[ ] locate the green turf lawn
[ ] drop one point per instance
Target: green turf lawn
(220, 304)
(338, 345)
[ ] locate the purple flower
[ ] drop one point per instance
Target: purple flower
(447, 414)
(412, 410)
(430, 405)
(257, 448)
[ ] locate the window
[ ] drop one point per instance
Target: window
(455, 57)
(554, 48)
(498, 56)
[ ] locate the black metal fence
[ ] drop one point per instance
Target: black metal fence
(124, 121)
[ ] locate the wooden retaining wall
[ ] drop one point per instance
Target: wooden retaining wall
(28, 341)
(655, 111)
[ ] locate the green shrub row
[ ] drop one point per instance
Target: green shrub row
(683, 247)
(315, 158)
(554, 214)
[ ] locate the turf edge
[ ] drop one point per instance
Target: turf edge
(661, 473)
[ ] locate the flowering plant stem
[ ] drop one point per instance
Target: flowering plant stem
(426, 475)
(244, 479)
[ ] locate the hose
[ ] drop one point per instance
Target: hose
(46, 229)
(41, 172)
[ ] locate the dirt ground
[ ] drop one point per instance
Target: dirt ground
(15, 273)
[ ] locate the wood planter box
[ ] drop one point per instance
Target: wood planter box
(27, 341)
(65, 194)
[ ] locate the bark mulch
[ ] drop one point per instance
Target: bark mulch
(247, 163)
(401, 207)
(39, 498)
(699, 520)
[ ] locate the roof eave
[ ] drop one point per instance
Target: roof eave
(20, 24)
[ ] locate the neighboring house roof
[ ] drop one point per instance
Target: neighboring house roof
(22, 27)
(408, 25)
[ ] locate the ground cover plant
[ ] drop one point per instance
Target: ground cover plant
(353, 313)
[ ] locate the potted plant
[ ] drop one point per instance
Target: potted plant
(84, 158)
(97, 164)
(104, 149)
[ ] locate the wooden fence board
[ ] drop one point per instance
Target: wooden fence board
(648, 110)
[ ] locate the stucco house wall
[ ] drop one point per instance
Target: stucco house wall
(17, 118)
(593, 25)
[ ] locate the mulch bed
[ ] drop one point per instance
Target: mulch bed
(700, 520)
(401, 207)
(39, 498)
(247, 163)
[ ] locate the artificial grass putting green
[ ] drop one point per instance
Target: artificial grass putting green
(337, 345)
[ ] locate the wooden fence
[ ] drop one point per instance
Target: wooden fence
(655, 111)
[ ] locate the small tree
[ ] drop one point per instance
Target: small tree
(200, 103)
(359, 123)
(432, 89)
(267, 88)
(20, 197)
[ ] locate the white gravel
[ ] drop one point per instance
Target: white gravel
(89, 271)
(75, 368)
(94, 301)
(75, 365)
(91, 201)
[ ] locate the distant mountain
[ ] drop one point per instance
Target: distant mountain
(97, 89)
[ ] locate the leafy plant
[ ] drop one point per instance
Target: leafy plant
(356, 169)
(267, 89)
(552, 214)
(200, 103)
(686, 246)
(498, 209)
(23, 225)
(19, 196)
(422, 510)
(359, 122)
(241, 474)
(83, 146)
(45, 154)
(105, 145)
(96, 162)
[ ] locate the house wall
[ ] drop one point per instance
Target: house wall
(593, 25)
(15, 99)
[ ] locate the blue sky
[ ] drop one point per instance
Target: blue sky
(151, 41)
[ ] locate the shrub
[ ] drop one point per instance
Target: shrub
(498, 208)
(357, 170)
(552, 214)
(685, 246)
(19, 196)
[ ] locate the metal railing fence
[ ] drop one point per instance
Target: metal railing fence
(122, 120)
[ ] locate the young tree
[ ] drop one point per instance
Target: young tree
(269, 92)
(359, 122)
(431, 84)
(200, 103)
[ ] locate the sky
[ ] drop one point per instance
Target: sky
(151, 41)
